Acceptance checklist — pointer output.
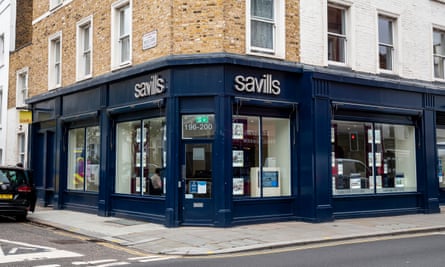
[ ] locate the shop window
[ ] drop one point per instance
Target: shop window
(121, 33)
(439, 54)
(370, 158)
(141, 157)
(260, 156)
(84, 48)
(440, 136)
(55, 61)
(386, 42)
(84, 159)
(265, 27)
(337, 34)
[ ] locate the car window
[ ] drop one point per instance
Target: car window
(13, 177)
(3, 178)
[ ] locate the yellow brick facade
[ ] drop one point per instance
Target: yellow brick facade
(183, 27)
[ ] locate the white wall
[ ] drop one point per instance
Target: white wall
(415, 20)
(5, 30)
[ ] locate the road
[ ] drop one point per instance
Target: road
(30, 245)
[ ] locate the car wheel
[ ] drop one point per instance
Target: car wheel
(21, 217)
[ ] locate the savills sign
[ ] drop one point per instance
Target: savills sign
(264, 85)
(155, 85)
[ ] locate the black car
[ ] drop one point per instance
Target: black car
(17, 192)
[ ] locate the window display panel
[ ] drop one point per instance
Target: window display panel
(154, 154)
(93, 158)
(397, 163)
(372, 157)
(276, 157)
(260, 156)
(76, 159)
(440, 137)
(140, 158)
(352, 158)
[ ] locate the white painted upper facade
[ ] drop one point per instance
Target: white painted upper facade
(5, 48)
(414, 21)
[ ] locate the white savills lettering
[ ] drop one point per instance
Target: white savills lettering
(154, 86)
(264, 85)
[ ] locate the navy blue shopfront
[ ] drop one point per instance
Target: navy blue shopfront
(224, 140)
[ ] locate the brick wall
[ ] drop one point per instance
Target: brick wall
(183, 27)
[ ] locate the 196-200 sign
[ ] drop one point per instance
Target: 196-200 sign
(198, 126)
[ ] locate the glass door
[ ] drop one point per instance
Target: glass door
(197, 179)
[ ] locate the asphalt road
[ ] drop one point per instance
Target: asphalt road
(26, 244)
(419, 251)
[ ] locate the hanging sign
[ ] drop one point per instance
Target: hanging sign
(25, 116)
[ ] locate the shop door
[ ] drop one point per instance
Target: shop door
(197, 201)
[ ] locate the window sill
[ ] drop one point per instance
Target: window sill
(121, 66)
(265, 54)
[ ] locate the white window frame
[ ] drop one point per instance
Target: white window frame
(21, 91)
(83, 52)
(442, 57)
(279, 34)
(395, 43)
(54, 63)
(1, 107)
(55, 3)
(2, 49)
(346, 8)
(116, 37)
(21, 147)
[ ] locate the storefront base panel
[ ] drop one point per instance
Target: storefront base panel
(80, 201)
(259, 211)
(45, 197)
(152, 210)
(385, 205)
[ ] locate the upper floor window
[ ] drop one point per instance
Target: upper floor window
(55, 61)
(337, 34)
(22, 87)
(1, 106)
(121, 33)
(54, 3)
(84, 48)
(265, 27)
(2, 49)
(386, 42)
(439, 53)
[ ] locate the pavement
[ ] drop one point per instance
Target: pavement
(198, 241)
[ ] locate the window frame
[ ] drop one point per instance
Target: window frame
(81, 72)
(440, 56)
(346, 32)
(117, 37)
(55, 61)
(2, 50)
(393, 46)
(85, 160)
(21, 147)
(279, 37)
(21, 92)
(141, 161)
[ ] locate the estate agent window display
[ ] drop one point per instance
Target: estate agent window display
(83, 159)
(140, 156)
(260, 156)
(370, 158)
